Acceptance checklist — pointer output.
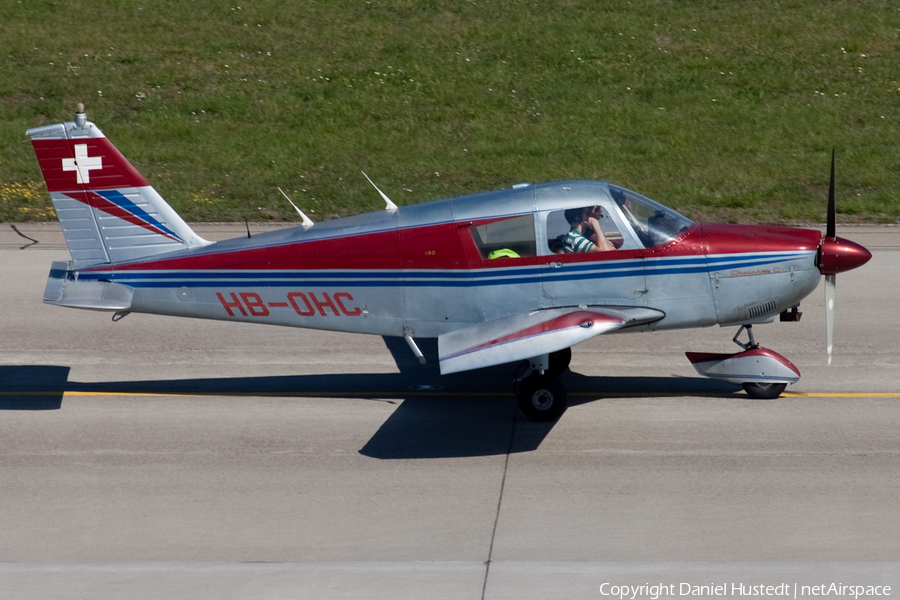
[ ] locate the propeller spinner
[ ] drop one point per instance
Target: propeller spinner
(836, 255)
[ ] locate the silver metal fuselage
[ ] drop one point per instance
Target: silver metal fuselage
(417, 270)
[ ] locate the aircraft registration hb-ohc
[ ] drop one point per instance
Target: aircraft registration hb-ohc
(513, 275)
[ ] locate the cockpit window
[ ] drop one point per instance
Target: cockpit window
(653, 223)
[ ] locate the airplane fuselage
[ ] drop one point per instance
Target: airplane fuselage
(426, 270)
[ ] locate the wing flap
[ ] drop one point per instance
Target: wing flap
(531, 334)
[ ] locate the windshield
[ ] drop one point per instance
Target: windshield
(653, 223)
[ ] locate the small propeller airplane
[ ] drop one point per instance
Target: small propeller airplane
(515, 275)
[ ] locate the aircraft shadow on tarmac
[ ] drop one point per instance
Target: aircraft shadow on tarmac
(460, 415)
(33, 387)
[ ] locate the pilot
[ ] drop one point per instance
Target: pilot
(585, 234)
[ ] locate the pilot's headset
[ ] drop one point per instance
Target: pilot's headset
(574, 216)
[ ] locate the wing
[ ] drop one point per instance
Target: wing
(531, 334)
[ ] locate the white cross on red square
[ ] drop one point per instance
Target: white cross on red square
(82, 164)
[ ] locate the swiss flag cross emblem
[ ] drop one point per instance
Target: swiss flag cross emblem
(82, 164)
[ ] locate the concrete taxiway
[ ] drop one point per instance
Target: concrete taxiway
(159, 457)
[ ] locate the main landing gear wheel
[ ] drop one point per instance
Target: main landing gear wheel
(542, 397)
(559, 361)
(763, 391)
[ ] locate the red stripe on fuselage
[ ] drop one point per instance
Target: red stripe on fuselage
(430, 247)
(441, 246)
(450, 246)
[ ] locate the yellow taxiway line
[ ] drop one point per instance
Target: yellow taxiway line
(841, 394)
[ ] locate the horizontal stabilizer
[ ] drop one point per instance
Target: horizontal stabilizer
(64, 290)
(522, 336)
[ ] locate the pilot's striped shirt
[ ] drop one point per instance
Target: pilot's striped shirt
(576, 242)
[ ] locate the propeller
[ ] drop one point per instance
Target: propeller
(830, 280)
(835, 256)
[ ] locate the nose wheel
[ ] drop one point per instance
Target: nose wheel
(763, 391)
(757, 390)
(763, 373)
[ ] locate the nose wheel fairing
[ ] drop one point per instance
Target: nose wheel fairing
(756, 365)
(763, 373)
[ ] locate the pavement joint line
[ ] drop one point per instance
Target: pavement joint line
(490, 558)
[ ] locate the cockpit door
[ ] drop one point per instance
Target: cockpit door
(614, 277)
(675, 268)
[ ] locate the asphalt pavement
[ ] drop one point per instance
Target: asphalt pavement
(171, 458)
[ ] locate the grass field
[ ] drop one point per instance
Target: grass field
(722, 110)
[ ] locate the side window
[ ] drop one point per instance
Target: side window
(508, 238)
(558, 228)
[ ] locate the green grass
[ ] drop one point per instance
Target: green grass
(722, 110)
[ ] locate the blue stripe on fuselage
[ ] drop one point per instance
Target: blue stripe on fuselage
(447, 278)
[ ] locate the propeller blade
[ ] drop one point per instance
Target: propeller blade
(830, 226)
(829, 313)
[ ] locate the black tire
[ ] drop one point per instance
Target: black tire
(763, 391)
(559, 362)
(542, 398)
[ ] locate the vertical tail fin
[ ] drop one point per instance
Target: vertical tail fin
(107, 210)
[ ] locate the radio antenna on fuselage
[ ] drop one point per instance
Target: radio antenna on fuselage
(307, 222)
(389, 205)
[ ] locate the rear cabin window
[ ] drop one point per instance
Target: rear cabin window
(509, 238)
